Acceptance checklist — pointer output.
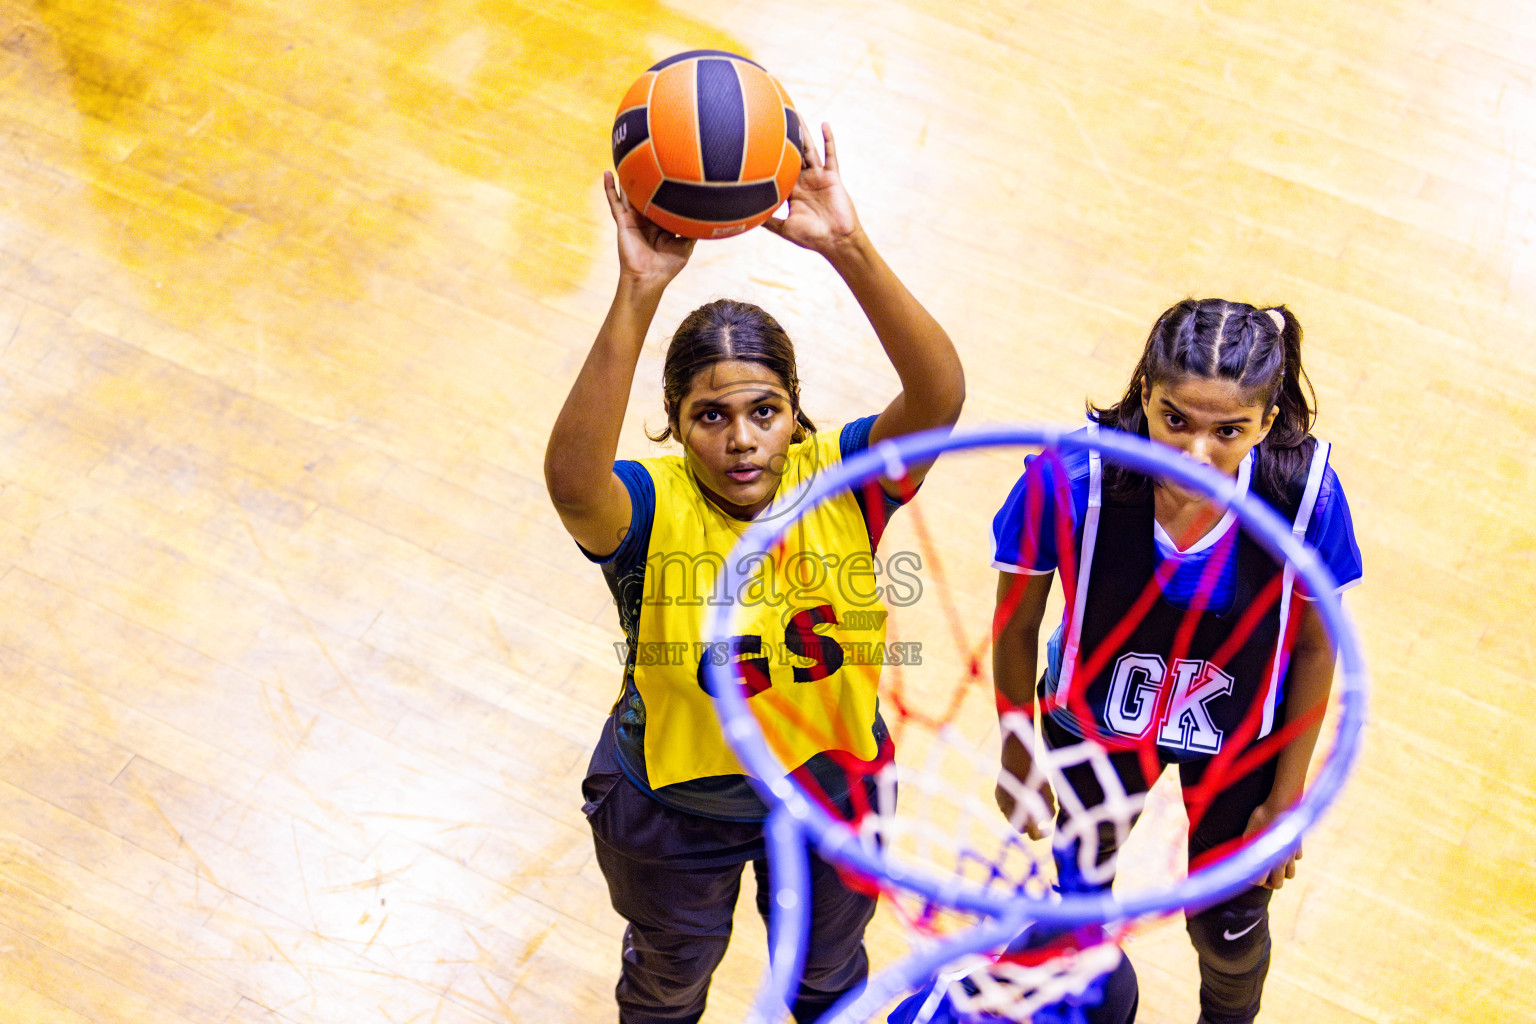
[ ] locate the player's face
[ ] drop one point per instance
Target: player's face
(1211, 420)
(736, 422)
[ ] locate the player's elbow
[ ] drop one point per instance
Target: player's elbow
(569, 489)
(937, 400)
(948, 398)
(571, 500)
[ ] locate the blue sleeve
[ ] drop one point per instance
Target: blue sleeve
(642, 512)
(1332, 532)
(853, 439)
(1024, 531)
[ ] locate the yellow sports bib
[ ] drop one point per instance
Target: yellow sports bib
(812, 681)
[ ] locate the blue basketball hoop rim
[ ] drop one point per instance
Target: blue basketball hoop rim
(1212, 883)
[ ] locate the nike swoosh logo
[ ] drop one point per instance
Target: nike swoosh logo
(1230, 935)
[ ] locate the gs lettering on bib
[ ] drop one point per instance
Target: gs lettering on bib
(793, 620)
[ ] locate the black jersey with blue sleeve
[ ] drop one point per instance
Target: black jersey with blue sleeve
(1046, 512)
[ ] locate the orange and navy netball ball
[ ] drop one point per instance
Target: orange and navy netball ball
(706, 144)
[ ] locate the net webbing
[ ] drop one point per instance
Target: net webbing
(942, 758)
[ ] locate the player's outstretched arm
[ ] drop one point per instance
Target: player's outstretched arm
(822, 219)
(578, 463)
(1308, 683)
(1015, 652)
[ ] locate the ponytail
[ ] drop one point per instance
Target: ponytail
(1286, 451)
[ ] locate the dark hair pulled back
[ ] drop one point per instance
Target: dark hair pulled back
(725, 330)
(1214, 338)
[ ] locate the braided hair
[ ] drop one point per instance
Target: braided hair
(1259, 350)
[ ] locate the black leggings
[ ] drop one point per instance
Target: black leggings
(1232, 937)
(674, 877)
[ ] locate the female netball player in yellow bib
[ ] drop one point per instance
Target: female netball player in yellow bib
(673, 817)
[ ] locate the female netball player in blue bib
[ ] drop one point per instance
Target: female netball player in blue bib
(1223, 383)
(674, 819)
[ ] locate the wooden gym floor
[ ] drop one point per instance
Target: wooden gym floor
(298, 673)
